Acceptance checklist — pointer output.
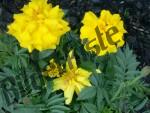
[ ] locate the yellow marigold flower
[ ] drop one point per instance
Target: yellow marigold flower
(39, 26)
(105, 31)
(53, 70)
(74, 80)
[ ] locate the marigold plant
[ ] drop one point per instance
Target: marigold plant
(39, 26)
(104, 23)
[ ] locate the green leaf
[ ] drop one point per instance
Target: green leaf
(83, 110)
(120, 62)
(3, 102)
(100, 98)
(91, 108)
(107, 110)
(132, 73)
(56, 101)
(45, 54)
(94, 80)
(26, 110)
(88, 65)
(42, 64)
(87, 93)
(119, 69)
(60, 107)
(141, 105)
(105, 94)
(57, 111)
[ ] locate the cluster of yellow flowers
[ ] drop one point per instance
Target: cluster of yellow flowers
(53, 69)
(41, 26)
(103, 23)
(74, 79)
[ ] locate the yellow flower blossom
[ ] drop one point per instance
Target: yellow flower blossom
(104, 23)
(53, 70)
(74, 80)
(39, 26)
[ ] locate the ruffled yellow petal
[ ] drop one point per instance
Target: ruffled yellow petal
(90, 19)
(78, 87)
(60, 83)
(68, 93)
(83, 76)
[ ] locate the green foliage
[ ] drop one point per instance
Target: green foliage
(18, 64)
(87, 93)
(11, 54)
(47, 102)
(119, 86)
(117, 89)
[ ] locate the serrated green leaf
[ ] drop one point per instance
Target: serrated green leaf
(120, 62)
(119, 69)
(56, 101)
(133, 65)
